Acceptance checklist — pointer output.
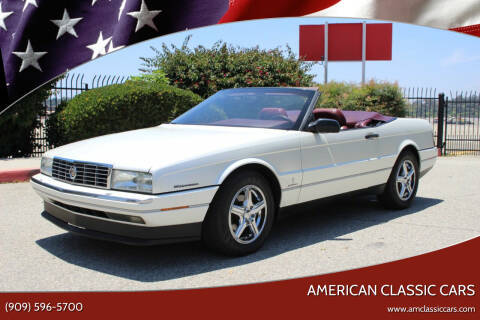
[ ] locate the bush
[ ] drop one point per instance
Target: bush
(205, 71)
(18, 123)
(116, 108)
(157, 77)
(385, 98)
(53, 127)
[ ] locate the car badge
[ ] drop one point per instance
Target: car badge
(72, 172)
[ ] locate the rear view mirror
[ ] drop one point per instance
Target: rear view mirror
(324, 126)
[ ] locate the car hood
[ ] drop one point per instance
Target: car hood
(164, 145)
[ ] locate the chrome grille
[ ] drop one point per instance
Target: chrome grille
(84, 173)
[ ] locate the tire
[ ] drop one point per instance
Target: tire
(399, 193)
(230, 226)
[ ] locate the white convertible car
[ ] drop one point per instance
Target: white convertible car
(221, 171)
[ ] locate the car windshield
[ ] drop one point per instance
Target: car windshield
(273, 108)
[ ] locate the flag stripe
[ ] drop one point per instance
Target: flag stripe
(472, 30)
(445, 14)
(259, 9)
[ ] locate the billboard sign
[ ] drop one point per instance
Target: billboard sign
(345, 42)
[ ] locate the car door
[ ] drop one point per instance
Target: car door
(334, 163)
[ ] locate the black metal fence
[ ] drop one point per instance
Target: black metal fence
(423, 103)
(65, 89)
(461, 123)
(455, 118)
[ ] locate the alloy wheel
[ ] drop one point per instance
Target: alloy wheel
(406, 179)
(247, 214)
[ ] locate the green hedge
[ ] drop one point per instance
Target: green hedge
(117, 108)
(382, 97)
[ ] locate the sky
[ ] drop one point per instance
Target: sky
(422, 57)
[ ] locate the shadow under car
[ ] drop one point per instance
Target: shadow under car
(297, 227)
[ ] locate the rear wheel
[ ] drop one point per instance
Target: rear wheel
(241, 215)
(402, 184)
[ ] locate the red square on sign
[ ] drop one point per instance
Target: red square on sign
(379, 41)
(345, 42)
(312, 42)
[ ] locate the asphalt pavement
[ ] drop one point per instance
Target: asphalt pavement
(312, 239)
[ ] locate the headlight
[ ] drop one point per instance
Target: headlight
(131, 181)
(46, 166)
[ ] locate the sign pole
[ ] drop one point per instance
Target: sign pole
(364, 50)
(326, 53)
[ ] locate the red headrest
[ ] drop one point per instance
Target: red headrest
(269, 113)
(334, 114)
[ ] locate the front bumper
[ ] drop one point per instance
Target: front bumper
(101, 213)
(117, 232)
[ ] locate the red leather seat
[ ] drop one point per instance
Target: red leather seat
(334, 114)
(272, 113)
(363, 124)
(361, 119)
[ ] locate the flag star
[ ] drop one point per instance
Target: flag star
(3, 16)
(145, 17)
(66, 25)
(98, 48)
(111, 48)
(32, 2)
(29, 57)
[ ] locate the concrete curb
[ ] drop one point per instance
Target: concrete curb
(17, 175)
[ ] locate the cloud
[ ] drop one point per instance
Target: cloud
(459, 56)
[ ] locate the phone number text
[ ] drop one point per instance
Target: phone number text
(43, 307)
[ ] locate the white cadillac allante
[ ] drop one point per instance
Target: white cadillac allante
(221, 171)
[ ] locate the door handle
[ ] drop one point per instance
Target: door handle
(372, 136)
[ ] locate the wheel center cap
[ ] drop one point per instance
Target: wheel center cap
(248, 216)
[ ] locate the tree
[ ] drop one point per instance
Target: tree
(382, 97)
(19, 122)
(207, 70)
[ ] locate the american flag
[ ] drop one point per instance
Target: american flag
(41, 39)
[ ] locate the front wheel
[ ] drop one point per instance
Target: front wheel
(241, 215)
(402, 184)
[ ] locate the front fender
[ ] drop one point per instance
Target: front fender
(240, 163)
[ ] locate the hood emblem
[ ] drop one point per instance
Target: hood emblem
(72, 172)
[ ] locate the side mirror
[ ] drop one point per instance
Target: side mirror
(324, 126)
